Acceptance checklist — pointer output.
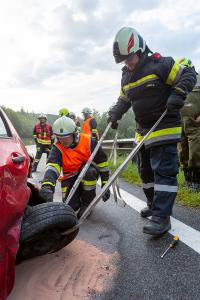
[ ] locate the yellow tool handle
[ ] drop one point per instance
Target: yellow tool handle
(174, 242)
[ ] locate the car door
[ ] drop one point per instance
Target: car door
(14, 166)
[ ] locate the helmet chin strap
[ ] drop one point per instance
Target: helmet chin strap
(75, 140)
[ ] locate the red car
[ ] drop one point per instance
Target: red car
(14, 195)
(29, 227)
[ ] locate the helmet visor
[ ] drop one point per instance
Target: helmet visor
(119, 58)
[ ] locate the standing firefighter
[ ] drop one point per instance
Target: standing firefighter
(189, 147)
(69, 154)
(89, 125)
(149, 84)
(44, 138)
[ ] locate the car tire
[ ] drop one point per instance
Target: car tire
(43, 229)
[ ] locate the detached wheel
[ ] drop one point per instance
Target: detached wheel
(43, 229)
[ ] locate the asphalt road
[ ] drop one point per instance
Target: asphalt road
(139, 271)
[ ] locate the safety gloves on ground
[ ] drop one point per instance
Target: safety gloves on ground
(175, 102)
(46, 194)
(113, 120)
(106, 196)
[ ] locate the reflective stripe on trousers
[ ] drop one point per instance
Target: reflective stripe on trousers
(159, 165)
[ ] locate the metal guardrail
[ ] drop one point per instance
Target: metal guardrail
(122, 144)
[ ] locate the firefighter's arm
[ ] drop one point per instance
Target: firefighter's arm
(181, 77)
(52, 172)
(35, 135)
(52, 135)
(121, 107)
(101, 162)
(93, 128)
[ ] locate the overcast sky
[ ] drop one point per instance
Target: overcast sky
(58, 53)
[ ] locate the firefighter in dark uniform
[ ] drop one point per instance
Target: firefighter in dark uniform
(189, 147)
(72, 115)
(44, 138)
(70, 153)
(89, 125)
(150, 84)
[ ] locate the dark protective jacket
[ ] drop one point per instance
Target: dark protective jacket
(191, 107)
(189, 147)
(147, 89)
(43, 135)
(58, 157)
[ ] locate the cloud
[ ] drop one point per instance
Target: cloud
(63, 49)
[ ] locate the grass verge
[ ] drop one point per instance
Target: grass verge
(185, 196)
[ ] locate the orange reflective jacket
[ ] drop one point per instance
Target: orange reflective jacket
(87, 129)
(86, 126)
(73, 159)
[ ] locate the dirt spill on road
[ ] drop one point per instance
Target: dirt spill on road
(76, 272)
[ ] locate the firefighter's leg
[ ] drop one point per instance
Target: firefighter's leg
(196, 186)
(88, 188)
(194, 158)
(66, 186)
(37, 157)
(183, 151)
(147, 176)
(47, 150)
(164, 162)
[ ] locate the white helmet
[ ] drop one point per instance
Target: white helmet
(87, 111)
(127, 42)
(42, 116)
(72, 115)
(64, 126)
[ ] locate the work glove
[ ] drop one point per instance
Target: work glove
(106, 196)
(113, 120)
(175, 102)
(46, 194)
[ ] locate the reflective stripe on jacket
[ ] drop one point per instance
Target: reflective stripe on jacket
(73, 159)
(160, 136)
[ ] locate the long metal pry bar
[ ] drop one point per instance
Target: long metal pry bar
(85, 168)
(116, 173)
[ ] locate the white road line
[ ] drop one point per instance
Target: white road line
(187, 234)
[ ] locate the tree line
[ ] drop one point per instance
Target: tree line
(24, 122)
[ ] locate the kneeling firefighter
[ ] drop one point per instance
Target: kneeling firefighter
(70, 153)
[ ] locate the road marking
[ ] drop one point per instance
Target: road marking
(187, 234)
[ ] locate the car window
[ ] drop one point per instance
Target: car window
(3, 131)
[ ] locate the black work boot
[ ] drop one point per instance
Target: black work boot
(157, 225)
(146, 212)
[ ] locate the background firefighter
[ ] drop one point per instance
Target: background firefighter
(44, 138)
(64, 112)
(69, 153)
(189, 147)
(89, 125)
(72, 116)
(149, 84)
